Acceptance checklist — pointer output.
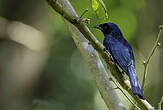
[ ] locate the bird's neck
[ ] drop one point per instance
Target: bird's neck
(115, 33)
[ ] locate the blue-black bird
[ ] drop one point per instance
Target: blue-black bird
(122, 54)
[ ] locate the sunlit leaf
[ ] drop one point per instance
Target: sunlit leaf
(95, 4)
(98, 5)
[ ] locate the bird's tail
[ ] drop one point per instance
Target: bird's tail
(135, 85)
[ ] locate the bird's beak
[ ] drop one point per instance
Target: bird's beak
(97, 27)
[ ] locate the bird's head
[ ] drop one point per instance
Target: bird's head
(107, 28)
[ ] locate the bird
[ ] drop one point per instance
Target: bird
(122, 54)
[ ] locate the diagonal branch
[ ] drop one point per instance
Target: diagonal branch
(92, 58)
(100, 48)
(118, 87)
(97, 69)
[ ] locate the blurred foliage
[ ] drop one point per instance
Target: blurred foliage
(65, 82)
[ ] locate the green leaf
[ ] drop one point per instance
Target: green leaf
(98, 5)
(95, 5)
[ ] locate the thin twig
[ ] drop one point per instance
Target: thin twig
(160, 103)
(85, 20)
(146, 63)
(118, 87)
(86, 10)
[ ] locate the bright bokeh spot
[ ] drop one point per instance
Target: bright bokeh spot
(95, 4)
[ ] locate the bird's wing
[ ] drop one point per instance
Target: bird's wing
(120, 53)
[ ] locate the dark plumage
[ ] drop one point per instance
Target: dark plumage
(122, 54)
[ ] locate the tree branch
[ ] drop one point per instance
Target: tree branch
(160, 103)
(100, 48)
(146, 63)
(94, 63)
(118, 87)
(97, 69)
